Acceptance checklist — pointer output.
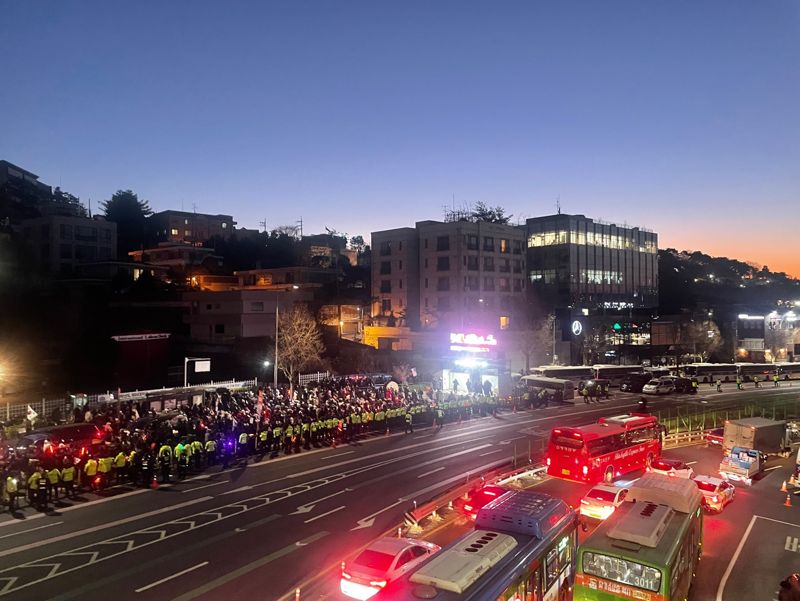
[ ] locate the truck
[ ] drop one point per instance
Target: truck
(769, 436)
(741, 465)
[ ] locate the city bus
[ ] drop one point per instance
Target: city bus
(615, 374)
(576, 373)
(523, 547)
(565, 389)
(710, 372)
(788, 371)
(649, 547)
(764, 371)
(605, 450)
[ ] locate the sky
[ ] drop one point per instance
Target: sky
(679, 116)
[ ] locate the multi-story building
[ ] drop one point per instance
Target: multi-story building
(577, 262)
(60, 242)
(21, 193)
(453, 274)
(191, 228)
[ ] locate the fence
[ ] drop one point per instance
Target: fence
(304, 379)
(693, 419)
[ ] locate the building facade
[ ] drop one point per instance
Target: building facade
(185, 227)
(453, 274)
(60, 243)
(582, 263)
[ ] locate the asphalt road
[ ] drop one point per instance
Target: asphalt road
(260, 530)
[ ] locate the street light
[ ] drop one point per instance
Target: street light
(277, 307)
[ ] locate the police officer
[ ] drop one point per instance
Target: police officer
(11, 491)
(719, 385)
(211, 451)
(104, 467)
(738, 382)
(120, 462)
(90, 471)
(277, 437)
(409, 419)
(165, 461)
(53, 480)
(182, 459)
(439, 418)
(756, 382)
(197, 454)
(68, 477)
(775, 380)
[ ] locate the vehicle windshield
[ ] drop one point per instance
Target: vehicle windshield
(568, 441)
(623, 571)
(706, 486)
(601, 495)
(653, 383)
(374, 560)
(668, 465)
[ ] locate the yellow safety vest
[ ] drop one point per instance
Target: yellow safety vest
(90, 469)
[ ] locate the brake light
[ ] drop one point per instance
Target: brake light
(672, 474)
(714, 499)
(585, 470)
(547, 461)
(346, 576)
(490, 493)
(377, 583)
(576, 434)
(584, 502)
(468, 507)
(556, 431)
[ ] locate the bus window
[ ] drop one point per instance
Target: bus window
(534, 586)
(606, 444)
(567, 441)
(640, 435)
(551, 569)
(623, 571)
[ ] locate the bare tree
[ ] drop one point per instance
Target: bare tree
(299, 342)
(535, 342)
(701, 339)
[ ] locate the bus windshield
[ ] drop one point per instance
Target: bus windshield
(564, 440)
(623, 571)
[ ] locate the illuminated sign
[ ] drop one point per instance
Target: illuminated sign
(577, 328)
(471, 343)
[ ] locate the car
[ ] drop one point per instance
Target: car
(671, 467)
(682, 385)
(659, 386)
(479, 497)
(716, 492)
(634, 382)
(602, 501)
(715, 436)
(381, 562)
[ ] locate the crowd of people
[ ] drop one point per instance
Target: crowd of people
(141, 447)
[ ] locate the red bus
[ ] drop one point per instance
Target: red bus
(605, 450)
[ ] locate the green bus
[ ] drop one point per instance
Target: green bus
(648, 549)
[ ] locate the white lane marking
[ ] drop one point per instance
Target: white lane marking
(181, 573)
(306, 507)
(438, 469)
(422, 436)
(240, 489)
(774, 467)
(205, 486)
(336, 456)
(442, 483)
(322, 515)
(31, 529)
(761, 517)
(370, 519)
(102, 526)
(490, 452)
(736, 553)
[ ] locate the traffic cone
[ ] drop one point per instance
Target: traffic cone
(788, 501)
(154, 483)
(783, 488)
(387, 432)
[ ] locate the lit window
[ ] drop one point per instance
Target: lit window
(224, 225)
(173, 232)
(187, 233)
(504, 322)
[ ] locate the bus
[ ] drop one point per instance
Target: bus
(649, 547)
(523, 547)
(710, 372)
(788, 371)
(605, 450)
(764, 371)
(576, 373)
(563, 388)
(615, 374)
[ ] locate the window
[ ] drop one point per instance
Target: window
(443, 284)
(517, 266)
(386, 286)
(386, 267)
(504, 321)
(505, 266)
(400, 284)
(65, 232)
(471, 282)
(208, 307)
(426, 302)
(543, 276)
(551, 569)
(257, 306)
(443, 303)
(400, 266)
(488, 283)
(187, 232)
(426, 243)
(442, 243)
(505, 247)
(472, 263)
(472, 242)
(426, 263)
(488, 263)
(623, 571)
(404, 558)
(386, 248)
(386, 305)
(518, 284)
(400, 245)
(426, 282)
(504, 284)
(488, 244)
(173, 232)
(65, 251)
(443, 264)
(418, 551)
(516, 246)
(185, 222)
(224, 225)
(219, 328)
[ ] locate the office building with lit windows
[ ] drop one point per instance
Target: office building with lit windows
(456, 274)
(577, 262)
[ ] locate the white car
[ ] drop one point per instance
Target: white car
(671, 467)
(383, 561)
(716, 492)
(659, 386)
(602, 501)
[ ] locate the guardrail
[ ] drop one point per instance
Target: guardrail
(684, 439)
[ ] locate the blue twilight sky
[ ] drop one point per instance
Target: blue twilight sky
(680, 116)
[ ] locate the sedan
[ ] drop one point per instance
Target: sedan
(671, 467)
(480, 497)
(602, 501)
(716, 492)
(381, 562)
(660, 386)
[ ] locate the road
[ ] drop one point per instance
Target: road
(258, 531)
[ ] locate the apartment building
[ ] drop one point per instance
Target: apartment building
(185, 227)
(60, 242)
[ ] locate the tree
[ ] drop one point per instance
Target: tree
(299, 342)
(357, 244)
(69, 203)
(535, 342)
(482, 212)
(129, 213)
(701, 339)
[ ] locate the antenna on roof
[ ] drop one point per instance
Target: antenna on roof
(300, 223)
(90, 208)
(263, 224)
(558, 204)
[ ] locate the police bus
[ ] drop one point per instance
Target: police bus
(523, 547)
(565, 389)
(605, 450)
(615, 374)
(762, 371)
(787, 371)
(710, 372)
(648, 548)
(576, 373)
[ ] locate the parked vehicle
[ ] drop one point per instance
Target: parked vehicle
(765, 435)
(479, 497)
(715, 436)
(661, 385)
(741, 465)
(601, 501)
(716, 492)
(671, 467)
(635, 382)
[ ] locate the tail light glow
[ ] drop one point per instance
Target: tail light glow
(585, 470)
(547, 461)
(345, 575)
(377, 583)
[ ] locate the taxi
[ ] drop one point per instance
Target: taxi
(602, 501)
